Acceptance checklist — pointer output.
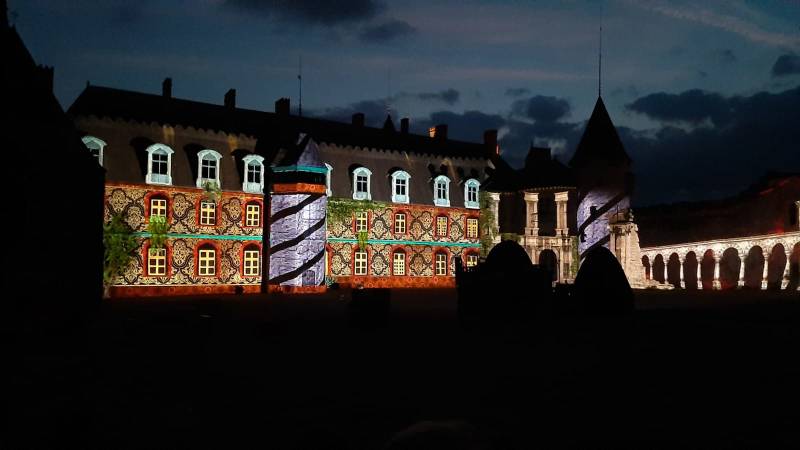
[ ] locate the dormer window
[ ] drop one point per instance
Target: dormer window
(253, 174)
(95, 146)
(361, 184)
(471, 189)
(400, 180)
(159, 164)
(441, 191)
(328, 191)
(208, 167)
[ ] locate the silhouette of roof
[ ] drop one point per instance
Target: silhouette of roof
(600, 141)
(145, 108)
(541, 171)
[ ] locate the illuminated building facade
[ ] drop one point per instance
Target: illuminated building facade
(213, 172)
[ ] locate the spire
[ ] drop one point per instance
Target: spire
(300, 86)
(388, 124)
(600, 141)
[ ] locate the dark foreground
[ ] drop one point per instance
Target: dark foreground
(686, 370)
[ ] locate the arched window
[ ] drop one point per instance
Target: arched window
(441, 191)
(361, 184)
(399, 262)
(471, 190)
(252, 214)
(253, 174)
(159, 164)
(251, 261)
(95, 146)
(400, 187)
(208, 167)
(206, 261)
(440, 264)
(328, 191)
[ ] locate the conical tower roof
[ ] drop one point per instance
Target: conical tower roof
(600, 141)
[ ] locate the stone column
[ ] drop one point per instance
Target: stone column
(681, 260)
(699, 272)
(531, 214)
(765, 272)
(798, 213)
(562, 227)
(787, 267)
(740, 281)
(666, 260)
(717, 284)
(494, 207)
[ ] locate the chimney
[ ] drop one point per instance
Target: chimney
(440, 131)
(282, 106)
(230, 99)
(166, 88)
(45, 77)
(490, 142)
(358, 120)
(404, 125)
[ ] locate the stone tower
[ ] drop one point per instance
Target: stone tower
(297, 214)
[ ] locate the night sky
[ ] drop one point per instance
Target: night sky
(706, 95)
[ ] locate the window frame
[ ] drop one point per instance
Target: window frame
(395, 221)
(472, 183)
(159, 178)
(397, 176)
(91, 140)
(436, 256)
(357, 251)
(200, 213)
(474, 220)
(249, 186)
(405, 262)
(471, 255)
(214, 156)
(246, 217)
(436, 225)
(206, 247)
(157, 197)
(147, 265)
(362, 195)
(356, 215)
(249, 248)
(441, 179)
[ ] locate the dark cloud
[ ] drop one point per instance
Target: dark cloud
(387, 31)
(466, 126)
(542, 108)
(374, 112)
(517, 92)
(788, 64)
(726, 56)
(629, 91)
(129, 13)
(449, 96)
(322, 12)
(702, 74)
(693, 106)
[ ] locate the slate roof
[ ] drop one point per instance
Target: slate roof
(600, 141)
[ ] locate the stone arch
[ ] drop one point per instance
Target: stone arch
(776, 266)
(729, 265)
(658, 268)
(690, 263)
(707, 269)
(549, 262)
(794, 268)
(646, 264)
(753, 267)
(674, 270)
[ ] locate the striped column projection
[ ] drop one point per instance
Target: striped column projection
(594, 210)
(297, 239)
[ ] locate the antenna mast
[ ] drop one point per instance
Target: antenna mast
(300, 86)
(600, 57)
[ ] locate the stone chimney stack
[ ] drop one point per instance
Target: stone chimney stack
(230, 99)
(166, 88)
(282, 106)
(440, 132)
(490, 142)
(358, 120)
(404, 125)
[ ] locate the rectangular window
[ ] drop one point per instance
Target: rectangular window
(208, 169)
(159, 163)
(441, 226)
(400, 223)
(253, 173)
(251, 263)
(400, 186)
(441, 264)
(206, 263)
(399, 263)
(441, 190)
(208, 213)
(361, 221)
(253, 215)
(472, 260)
(360, 263)
(158, 207)
(361, 183)
(472, 228)
(472, 194)
(157, 262)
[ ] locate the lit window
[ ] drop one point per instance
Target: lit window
(361, 184)
(208, 213)
(400, 180)
(472, 228)
(95, 146)
(441, 191)
(251, 262)
(253, 215)
(328, 191)
(207, 261)
(157, 262)
(253, 174)
(158, 207)
(441, 226)
(159, 164)
(472, 260)
(441, 264)
(471, 188)
(400, 223)
(360, 263)
(208, 167)
(399, 263)
(361, 221)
